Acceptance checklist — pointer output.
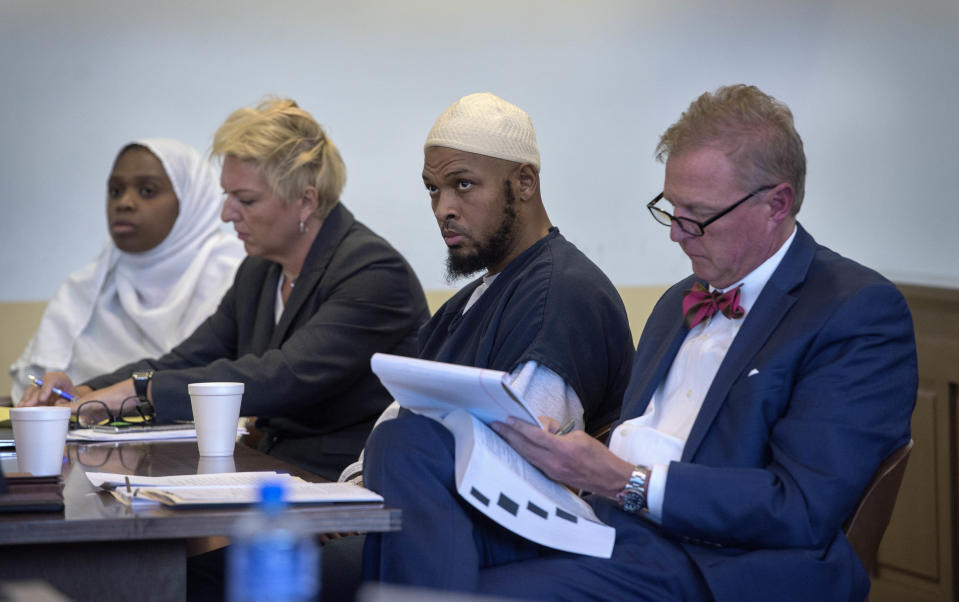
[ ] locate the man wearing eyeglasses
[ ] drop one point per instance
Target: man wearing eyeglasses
(766, 389)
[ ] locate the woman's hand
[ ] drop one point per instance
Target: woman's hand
(112, 396)
(44, 396)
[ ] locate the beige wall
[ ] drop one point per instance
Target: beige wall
(19, 320)
(598, 101)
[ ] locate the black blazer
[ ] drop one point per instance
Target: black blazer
(307, 377)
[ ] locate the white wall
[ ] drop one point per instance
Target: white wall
(873, 85)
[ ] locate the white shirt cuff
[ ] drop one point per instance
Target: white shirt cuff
(656, 492)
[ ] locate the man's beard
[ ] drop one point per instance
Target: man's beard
(490, 252)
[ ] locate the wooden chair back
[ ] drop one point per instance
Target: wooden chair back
(864, 529)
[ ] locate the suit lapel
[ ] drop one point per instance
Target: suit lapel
(773, 304)
(264, 322)
(643, 381)
(334, 229)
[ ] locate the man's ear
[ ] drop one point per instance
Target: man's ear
(781, 202)
(526, 181)
(309, 202)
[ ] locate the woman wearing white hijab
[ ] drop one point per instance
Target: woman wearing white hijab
(163, 272)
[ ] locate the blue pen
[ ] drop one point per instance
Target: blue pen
(56, 390)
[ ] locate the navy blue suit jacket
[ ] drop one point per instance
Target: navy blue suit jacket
(816, 390)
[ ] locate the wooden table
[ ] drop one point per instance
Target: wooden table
(100, 549)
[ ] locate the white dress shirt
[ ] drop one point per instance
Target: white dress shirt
(658, 436)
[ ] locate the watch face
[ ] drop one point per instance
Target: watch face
(631, 501)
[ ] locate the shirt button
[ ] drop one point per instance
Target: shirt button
(689, 393)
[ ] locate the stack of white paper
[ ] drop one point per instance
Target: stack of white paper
(167, 432)
(437, 388)
(223, 489)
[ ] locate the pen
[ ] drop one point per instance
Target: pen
(56, 390)
(567, 427)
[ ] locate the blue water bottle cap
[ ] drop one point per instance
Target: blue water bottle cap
(271, 495)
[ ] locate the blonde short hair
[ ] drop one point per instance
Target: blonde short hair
(289, 146)
(753, 129)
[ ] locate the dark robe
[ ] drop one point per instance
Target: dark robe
(551, 305)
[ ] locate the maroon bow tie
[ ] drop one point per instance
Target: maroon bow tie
(699, 304)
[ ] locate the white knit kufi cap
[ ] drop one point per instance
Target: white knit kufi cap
(486, 124)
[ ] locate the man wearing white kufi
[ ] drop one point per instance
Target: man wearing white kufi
(541, 311)
(481, 169)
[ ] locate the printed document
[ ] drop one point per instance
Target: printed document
(436, 388)
(223, 489)
(490, 474)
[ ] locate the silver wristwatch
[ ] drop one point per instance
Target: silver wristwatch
(632, 498)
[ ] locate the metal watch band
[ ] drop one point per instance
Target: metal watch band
(632, 498)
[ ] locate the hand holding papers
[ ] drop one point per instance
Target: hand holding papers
(490, 474)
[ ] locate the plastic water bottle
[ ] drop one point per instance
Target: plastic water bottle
(272, 555)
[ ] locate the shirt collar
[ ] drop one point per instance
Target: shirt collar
(754, 282)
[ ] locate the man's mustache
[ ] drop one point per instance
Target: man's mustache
(450, 229)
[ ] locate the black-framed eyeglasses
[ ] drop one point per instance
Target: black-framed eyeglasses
(95, 455)
(97, 413)
(691, 226)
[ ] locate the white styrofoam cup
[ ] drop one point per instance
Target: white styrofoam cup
(216, 412)
(40, 433)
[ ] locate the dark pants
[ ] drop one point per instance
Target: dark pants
(340, 561)
(446, 544)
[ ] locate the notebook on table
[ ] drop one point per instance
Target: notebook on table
(27, 493)
(6, 437)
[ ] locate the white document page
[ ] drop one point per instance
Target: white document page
(116, 484)
(135, 434)
(223, 479)
(224, 488)
(435, 389)
(501, 484)
(296, 493)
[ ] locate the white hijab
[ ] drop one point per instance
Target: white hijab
(166, 291)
